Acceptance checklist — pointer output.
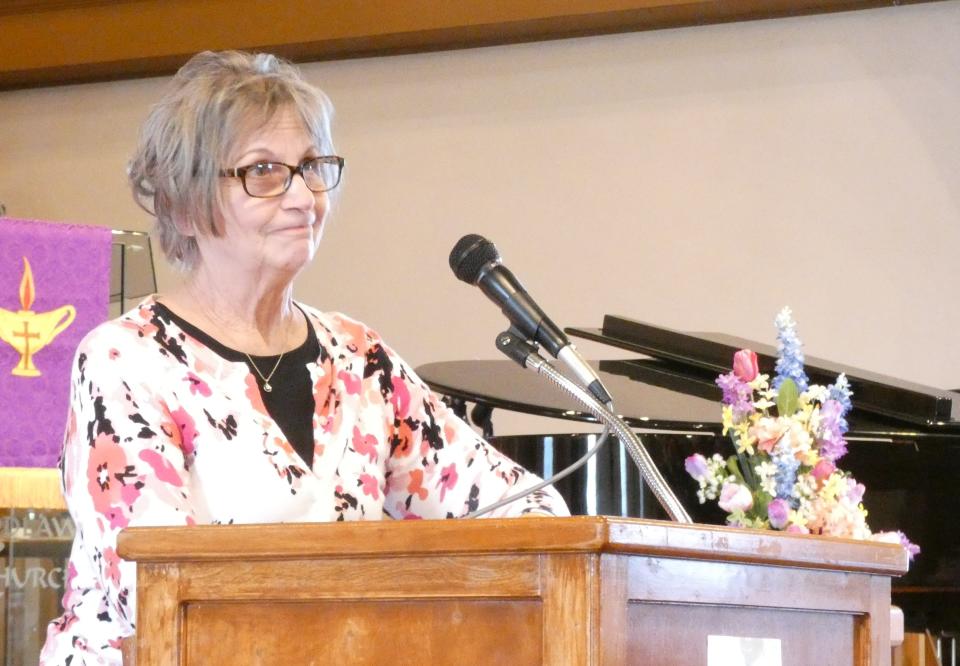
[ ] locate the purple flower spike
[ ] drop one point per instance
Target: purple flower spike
(832, 426)
(736, 393)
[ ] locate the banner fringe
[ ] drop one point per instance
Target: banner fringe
(31, 488)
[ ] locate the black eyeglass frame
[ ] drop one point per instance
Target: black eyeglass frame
(241, 173)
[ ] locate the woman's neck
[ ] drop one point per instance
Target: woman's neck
(258, 317)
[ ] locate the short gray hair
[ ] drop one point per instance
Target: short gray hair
(211, 104)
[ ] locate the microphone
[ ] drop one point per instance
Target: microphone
(476, 261)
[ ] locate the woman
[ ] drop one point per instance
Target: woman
(224, 401)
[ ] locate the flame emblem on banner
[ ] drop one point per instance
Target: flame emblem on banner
(27, 292)
(27, 331)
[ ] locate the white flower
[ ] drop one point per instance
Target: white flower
(766, 473)
(760, 383)
(805, 489)
(797, 438)
(815, 392)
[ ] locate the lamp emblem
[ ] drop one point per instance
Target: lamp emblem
(27, 331)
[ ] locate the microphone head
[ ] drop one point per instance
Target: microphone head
(470, 255)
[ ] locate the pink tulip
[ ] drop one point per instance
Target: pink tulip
(745, 365)
(734, 497)
(823, 469)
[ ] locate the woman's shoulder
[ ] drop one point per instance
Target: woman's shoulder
(341, 329)
(352, 345)
(137, 328)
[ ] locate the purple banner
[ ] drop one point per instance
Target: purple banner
(54, 288)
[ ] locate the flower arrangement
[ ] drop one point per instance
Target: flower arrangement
(788, 437)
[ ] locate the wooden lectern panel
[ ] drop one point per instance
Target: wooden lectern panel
(560, 591)
(824, 639)
(439, 632)
(672, 606)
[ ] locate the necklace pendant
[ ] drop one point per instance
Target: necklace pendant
(267, 387)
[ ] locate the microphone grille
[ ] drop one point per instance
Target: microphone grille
(469, 255)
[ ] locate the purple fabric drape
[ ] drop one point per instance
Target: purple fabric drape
(41, 322)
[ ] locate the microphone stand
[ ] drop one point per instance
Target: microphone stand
(525, 353)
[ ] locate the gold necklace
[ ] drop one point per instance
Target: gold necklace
(266, 380)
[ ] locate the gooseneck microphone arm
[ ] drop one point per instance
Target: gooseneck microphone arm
(526, 355)
(475, 260)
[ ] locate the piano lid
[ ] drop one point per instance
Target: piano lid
(872, 392)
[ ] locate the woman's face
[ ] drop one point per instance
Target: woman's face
(268, 235)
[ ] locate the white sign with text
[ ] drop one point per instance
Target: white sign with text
(743, 651)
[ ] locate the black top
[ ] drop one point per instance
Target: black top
(291, 402)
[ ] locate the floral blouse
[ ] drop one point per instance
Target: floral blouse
(163, 431)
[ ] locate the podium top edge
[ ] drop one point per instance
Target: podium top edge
(508, 536)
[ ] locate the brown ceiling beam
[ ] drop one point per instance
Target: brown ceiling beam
(48, 42)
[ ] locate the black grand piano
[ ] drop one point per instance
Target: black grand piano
(904, 444)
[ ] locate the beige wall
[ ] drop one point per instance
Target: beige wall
(698, 178)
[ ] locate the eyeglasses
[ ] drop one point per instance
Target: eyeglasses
(271, 179)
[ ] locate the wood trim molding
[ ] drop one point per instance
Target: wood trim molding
(30, 6)
(50, 42)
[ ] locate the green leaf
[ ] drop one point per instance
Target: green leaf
(787, 398)
(747, 463)
(760, 502)
(735, 468)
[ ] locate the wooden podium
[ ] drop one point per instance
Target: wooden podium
(557, 591)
